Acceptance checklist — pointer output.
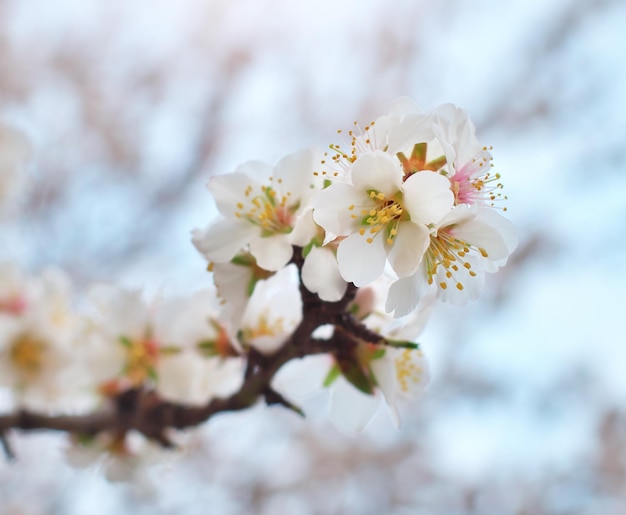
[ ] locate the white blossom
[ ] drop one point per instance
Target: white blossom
(260, 207)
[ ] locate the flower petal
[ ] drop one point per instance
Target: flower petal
(406, 293)
(408, 248)
(272, 252)
(320, 274)
(490, 231)
(350, 410)
(377, 171)
(294, 174)
(427, 197)
(331, 208)
(361, 262)
(221, 240)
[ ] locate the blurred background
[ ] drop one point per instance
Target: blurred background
(130, 107)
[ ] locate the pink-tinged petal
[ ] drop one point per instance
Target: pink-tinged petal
(273, 252)
(350, 410)
(224, 238)
(377, 171)
(361, 262)
(406, 293)
(408, 248)
(490, 231)
(320, 274)
(427, 197)
(294, 174)
(338, 208)
(228, 190)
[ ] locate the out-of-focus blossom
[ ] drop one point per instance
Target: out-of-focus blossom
(273, 313)
(41, 347)
(176, 346)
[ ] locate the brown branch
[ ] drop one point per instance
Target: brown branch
(143, 410)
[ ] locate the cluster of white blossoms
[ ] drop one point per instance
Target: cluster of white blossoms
(409, 205)
(336, 257)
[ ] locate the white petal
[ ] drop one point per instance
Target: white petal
(272, 252)
(331, 208)
(414, 128)
(412, 373)
(224, 238)
(427, 197)
(294, 174)
(229, 189)
(361, 262)
(377, 171)
(302, 378)
(304, 230)
(350, 410)
(320, 274)
(471, 285)
(490, 231)
(408, 248)
(384, 372)
(406, 293)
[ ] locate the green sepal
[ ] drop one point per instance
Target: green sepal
(207, 348)
(402, 344)
(357, 377)
(315, 242)
(169, 350)
(332, 376)
(378, 354)
(437, 163)
(243, 260)
(125, 341)
(152, 374)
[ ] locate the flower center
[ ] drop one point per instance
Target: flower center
(264, 327)
(417, 161)
(267, 211)
(407, 371)
(449, 252)
(142, 356)
(27, 354)
(474, 182)
(383, 216)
